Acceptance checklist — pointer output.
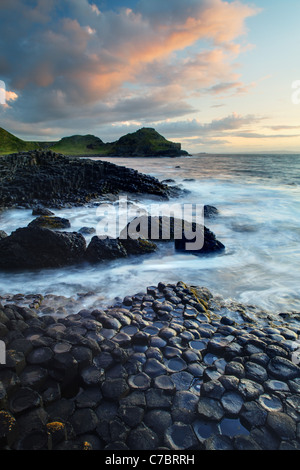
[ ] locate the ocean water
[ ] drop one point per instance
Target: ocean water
(258, 198)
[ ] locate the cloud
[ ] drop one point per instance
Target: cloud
(68, 58)
(187, 131)
(11, 96)
(255, 135)
(235, 87)
(283, 127)
(194, 127)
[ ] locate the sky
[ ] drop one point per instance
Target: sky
(217, 76)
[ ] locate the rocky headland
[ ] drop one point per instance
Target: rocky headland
(145, 142)
(31, 179)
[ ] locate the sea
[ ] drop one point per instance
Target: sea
(258, 199)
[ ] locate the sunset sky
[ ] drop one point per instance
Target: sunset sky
(215, 75)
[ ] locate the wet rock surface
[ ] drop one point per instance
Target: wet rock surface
(42, 245)
(39, 178)
(169, 368)
(187, 236)
(35, 247)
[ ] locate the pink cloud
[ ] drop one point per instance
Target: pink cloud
(92, 56)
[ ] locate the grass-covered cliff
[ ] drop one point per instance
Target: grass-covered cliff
(142, 143)
(9, 143)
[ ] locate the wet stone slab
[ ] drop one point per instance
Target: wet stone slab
(164, 368)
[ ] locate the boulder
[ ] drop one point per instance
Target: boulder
(109, 248)
(138, 246)
(52, 222)
(157, 228)
(163, 228)
(104, 249)
(87, 230)
(35, 248)
(41, 211)
(210, 211)
(3, 234)
(210, 243)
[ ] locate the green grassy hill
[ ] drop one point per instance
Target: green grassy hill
(142, 143)
(79, 145)
(12, 144)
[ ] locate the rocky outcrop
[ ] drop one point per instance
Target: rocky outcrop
(3, 234)
(35, 247)
(45, 221)
(42, 211)
(109, 248)
(145, 142)
(41, 245)
(210, 212)
(164, 229)
(205, 242)
(102, 249)
(138, 246)
(44, 178)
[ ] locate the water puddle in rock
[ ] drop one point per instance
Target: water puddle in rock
(205, 429)
(196, 385)
(176, 364)
(209, 359)
(232, 427)
(129, 330)
(270, 403)
(198, 345)
(151, 330)
(139, 348)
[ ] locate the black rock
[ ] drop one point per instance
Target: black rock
(203, 242)
(115, 389)
(282, 425)
(218, 442)
(142, 438)
(87, 230)
(210, 212)
(104, 249)
(180, 436)
(158, 421)
(163, 228)
(232, 403)
(245, 443)
(138, 247)
(3, 234)
(24, 399)
(139, 381)
(283, 369)
(185, 407)
(210, 409)
(52, 222)
(40, 178)
(84, 421)
(35, 247)
(41, 211)
(131, 415)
